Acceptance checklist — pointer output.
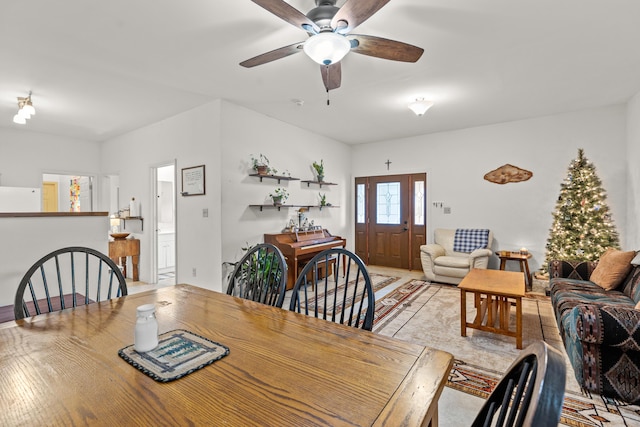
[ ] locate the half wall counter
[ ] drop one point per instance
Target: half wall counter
(28, 236)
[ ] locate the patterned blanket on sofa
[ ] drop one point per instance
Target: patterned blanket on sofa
(600, 329)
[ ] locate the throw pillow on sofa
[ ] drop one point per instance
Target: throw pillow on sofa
(612, 268)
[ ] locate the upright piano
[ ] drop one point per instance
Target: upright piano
(298, 247)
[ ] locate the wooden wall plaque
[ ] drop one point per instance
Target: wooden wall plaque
(508, 173)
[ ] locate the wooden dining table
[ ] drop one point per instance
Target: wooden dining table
(283, 368)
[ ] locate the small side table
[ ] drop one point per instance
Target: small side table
(120, 249)
(522, 260)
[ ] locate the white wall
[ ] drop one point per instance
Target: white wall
(27, 239)
(520, 214)
(633, 172)
(222, 136)
(193, 139)
(246, 132)
(26, 155)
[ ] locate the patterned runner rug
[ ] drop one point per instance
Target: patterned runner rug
(389, 306)
(378, 281)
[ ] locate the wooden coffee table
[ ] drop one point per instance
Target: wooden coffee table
(495, 291)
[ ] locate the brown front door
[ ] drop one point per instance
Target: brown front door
(390, 221)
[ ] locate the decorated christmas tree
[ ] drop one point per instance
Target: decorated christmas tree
(582, 226)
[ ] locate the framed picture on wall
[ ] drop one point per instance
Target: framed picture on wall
(193, 181)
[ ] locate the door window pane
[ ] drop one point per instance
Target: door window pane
(360, 213)
(418, 203)
(388, 203)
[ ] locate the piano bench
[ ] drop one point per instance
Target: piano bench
(322, 270)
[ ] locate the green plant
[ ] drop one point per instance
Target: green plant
(261, 266)
(260, 161)
(319, 167)
(280, 193)
(323, 199)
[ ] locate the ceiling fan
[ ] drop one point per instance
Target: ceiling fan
(329, 28)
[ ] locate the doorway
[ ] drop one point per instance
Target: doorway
(390, 222)
(165, 224)
(49, 196)
(68, 193)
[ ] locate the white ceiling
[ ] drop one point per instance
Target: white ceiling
(100, 68)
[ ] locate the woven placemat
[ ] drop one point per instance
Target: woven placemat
(178, 353)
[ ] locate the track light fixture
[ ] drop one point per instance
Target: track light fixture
(25, 110)
(420, 106)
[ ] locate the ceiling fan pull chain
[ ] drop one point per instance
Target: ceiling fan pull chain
(327, 85)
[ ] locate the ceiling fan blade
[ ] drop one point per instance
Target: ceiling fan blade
(331, 75)
(354, 13)
(283, 52)
(384, 48)
(285, 11)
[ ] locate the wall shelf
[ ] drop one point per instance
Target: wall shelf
(278, 177)
(272, 206)
(130, 218)
(320, 183)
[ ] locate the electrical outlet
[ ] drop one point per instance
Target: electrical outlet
(194, 272)
(205, 213)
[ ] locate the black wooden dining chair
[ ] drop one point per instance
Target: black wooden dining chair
(530, 393)
(341, 295)
(68, 277)
(260, 275)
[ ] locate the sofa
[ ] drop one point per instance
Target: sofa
(445, 261)
(600, 328)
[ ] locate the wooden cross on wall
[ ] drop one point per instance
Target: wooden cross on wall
(388, 162)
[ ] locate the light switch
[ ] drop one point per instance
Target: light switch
(205, 213)
(447, 209)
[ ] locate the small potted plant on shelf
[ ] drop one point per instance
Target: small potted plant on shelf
(319, 167)
(260, 164)
(323, 199)
(279, 196)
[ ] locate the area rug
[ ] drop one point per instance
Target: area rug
(431, 317)
(577, 409)
(391, 304)
(378, 281)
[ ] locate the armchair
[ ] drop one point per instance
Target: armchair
(442, 264)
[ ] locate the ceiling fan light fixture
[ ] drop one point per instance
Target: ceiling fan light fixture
(327, 47)
(420, 106)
